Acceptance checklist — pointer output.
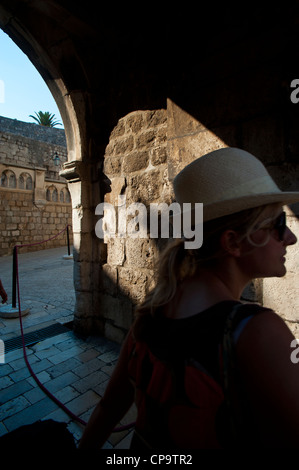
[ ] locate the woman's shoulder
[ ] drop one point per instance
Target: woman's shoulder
(265, 335)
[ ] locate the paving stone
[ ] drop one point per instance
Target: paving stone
(66, 394)
(90, 381)
(88, 355)
(34, 395)
(13, 406)
(5, 369)
(88, 367)
(42, 377)
(61, 382)
(20, 374)
(70, 342)
(5, 382)
(84, 402)
(40, 365)
(30, 414)
(62, 367)
(16, 354)
(62, 356)
(14, 391)
(47, 353)
(108, 357)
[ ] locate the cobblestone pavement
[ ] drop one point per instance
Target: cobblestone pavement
(75, 370)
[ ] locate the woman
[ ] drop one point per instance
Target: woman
(230, 361)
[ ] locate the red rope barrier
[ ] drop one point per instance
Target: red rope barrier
(44, 241)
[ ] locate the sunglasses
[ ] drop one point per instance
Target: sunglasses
(280, 224)
(261, 235)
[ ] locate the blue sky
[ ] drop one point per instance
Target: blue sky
(22, 89)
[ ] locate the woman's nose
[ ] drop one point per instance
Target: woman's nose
(289, 237)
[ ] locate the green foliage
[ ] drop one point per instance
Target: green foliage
(45, 119)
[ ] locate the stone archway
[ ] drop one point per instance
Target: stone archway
(226, 75)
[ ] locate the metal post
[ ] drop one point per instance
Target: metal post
(14, 278)
(68, 240)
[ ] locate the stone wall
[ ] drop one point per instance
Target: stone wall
(136, 164)
(22, 222)
(34, 200)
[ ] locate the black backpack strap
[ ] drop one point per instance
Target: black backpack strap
(231, 385)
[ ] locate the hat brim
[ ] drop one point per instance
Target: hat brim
(232, 206)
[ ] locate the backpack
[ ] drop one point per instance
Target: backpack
(180, 404)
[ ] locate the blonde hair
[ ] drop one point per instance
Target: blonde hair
(177, 263)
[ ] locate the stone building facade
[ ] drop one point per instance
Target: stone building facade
(35, 202)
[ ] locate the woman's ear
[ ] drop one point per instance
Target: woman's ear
(230, 243)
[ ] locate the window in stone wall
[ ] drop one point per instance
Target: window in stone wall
(55, 195)
(4, 180)
(12, 183)
(8, 179)
(29, 182)
(52, 193)
(25, 181)
(48, 194)
(61, 196)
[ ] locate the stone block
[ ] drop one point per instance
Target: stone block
(145, 187)
(112, 165)
(141, 253)
(118, 130)
(135, 122)
(133, 283)
(116, 251)
(146, 139)
(159, 155)
(118, 310)
(124, 146)
(135, 162)
(155, 118)
(109, 279)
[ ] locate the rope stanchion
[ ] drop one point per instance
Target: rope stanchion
(16, 289)
(14, 278)
(68, 240)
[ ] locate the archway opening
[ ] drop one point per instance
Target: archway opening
(32, 157)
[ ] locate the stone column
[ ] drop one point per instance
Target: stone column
(87, 248)
(39, 188)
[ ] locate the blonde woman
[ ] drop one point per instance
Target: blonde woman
(205, 369)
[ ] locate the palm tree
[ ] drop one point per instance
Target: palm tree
(45, 119)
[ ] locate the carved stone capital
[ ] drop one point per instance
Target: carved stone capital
(74, 171)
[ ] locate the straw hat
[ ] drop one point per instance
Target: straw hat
(227, 181)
